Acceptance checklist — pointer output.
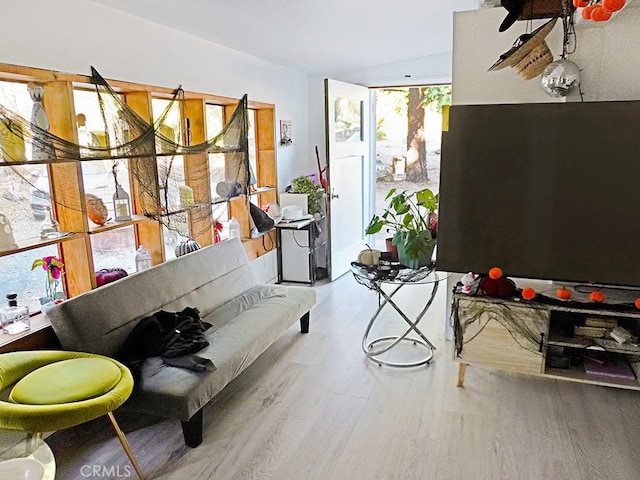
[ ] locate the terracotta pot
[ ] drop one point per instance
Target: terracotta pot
(392, 249)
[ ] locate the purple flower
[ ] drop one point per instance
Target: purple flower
(54, 268)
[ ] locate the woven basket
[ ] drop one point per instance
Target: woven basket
(534, 63)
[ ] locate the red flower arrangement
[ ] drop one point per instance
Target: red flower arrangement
(217, 228)
(54, 268)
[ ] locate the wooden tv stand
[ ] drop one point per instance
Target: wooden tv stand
(540, 337)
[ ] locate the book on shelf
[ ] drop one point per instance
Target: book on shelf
(618, 368)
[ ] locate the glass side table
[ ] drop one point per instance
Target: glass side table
(399, 277)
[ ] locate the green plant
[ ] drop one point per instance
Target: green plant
(413, 218)
(303, 184)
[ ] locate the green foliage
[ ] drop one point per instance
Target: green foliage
(380, 133)
(439, 96)
(303, 184)
(409, 216)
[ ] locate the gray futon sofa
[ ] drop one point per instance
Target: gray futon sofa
(218, 280)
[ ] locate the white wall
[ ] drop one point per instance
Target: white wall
(477, 45)
(609, 56)
(72, 35)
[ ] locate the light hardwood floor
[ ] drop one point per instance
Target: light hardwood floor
(312, 407)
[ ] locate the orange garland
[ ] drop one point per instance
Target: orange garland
(598, 10)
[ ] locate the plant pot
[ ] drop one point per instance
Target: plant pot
(423, 259)
(392, 249)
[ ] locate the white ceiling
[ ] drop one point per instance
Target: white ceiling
(326, 37)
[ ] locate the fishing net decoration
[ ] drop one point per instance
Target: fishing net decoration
(156, 153)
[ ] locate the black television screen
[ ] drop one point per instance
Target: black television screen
(545, 191)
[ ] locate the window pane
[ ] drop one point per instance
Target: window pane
(348, 120)
(24, 198)
(214, 119)
(14, 96)
(16, 276)
(90, 120)
(24, 189)
(98, 175)
(115, 249)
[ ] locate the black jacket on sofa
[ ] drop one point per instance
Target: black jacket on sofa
(169, 335)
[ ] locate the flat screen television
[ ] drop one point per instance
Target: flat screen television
(544, 191)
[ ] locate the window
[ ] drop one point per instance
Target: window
(28, 192)
(16, 276)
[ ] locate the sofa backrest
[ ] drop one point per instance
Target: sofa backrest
(99, 321)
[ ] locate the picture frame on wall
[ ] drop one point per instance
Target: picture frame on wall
(285, 132)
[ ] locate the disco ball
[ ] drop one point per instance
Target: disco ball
(560, 78)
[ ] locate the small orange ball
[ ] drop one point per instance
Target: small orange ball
(563, 293)
(596, 296)
(612, 5)
(586, 12)
(495, 273)
(599, 14)
(637, 302)
(580, 3)
(528, 293)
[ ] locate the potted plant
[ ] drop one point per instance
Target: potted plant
(413, 218)
(304, 184)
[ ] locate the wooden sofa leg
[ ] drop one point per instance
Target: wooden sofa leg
(304, 323)
(192, 430)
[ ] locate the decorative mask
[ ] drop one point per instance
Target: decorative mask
(96, 209)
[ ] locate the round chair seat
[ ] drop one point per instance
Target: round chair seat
(54, 390)
(66, 381)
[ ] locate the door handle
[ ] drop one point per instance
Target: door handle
(334, 195)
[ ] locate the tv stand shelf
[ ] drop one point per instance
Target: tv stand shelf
(547, 337)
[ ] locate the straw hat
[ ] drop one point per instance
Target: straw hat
(535, 62)
(529, 53)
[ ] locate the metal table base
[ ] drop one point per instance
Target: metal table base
(369, 345)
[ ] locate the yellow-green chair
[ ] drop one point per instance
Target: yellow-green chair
(44, 391)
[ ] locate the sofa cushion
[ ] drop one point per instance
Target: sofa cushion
(242, 330)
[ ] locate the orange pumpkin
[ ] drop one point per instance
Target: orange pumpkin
(528, 293)
(495, 273)
(580, 3)
(596, 296)
(563, 293)
(637, 303)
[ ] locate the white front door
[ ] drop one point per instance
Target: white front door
(349, 171)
